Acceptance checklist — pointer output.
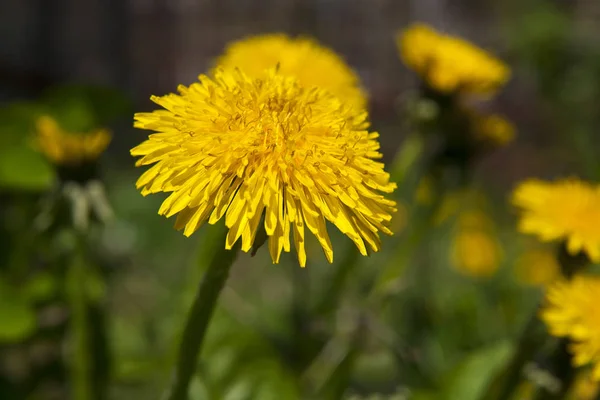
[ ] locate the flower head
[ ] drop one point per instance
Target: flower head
(65, 148)
(266, 149)
(537, 267)
(476, 253)
(302, 58)
(449, 64)
(460, 203)
(566, 210)
(573, 311)
(493, 128)
(475, 250)
(585, 386)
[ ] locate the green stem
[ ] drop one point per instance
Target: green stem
(331, 295)
(532, 338)
(198, 319)
(407, 156)
(422, 223)
(76, 287)
(560, 363)
(562, 369)
(503, 386)
(306, 344)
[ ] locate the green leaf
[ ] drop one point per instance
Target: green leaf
(17, 122)
(17, 318)
(423, 395)
(470, 378)
(95, 286)
(240, 390)
(374, 368)
(407, 156)
(41, 287)
(80, 108)
(23, 168)
(198, 390)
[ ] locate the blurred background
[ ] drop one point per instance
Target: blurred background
(370, 330)
(148, 47)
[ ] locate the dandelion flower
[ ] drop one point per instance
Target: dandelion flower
(537, 267)
(66, 148)
(252, 149)
(475, 250)
(493, 128)
(566, 210)
(457, 203)
(303, 58)
(474, 219)
(572, 310)
(475, 253)
(449, 64)
(585, 387)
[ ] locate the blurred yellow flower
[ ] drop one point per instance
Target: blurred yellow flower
(457, 203)
(474, 219)
(303, 58)
(524, 391)
(253, 149)
(493, 128)
(65, 148)
(572, 310)
(449, 64)
(567, 210)
(475, 250)
(537, 267)
(425, 191)
(585, 387)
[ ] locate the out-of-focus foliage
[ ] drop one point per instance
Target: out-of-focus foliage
(411, 322)
(20, 166)
(75, 107)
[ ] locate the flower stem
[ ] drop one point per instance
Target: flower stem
(330, 297)
(560, 363)
(503, 386)
(76, 289)
(532, 338)
(198, 319)
(562, 369)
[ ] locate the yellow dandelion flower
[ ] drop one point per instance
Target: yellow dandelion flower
(303, 58)
(449, 64)
(493, 128)
(585, 387)
(455, 202)
(65, 148)
(249, 149)
(572, 310)
(524, 391)
(475, 251)
(474, 219)
(537, 267)
(564, 210)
